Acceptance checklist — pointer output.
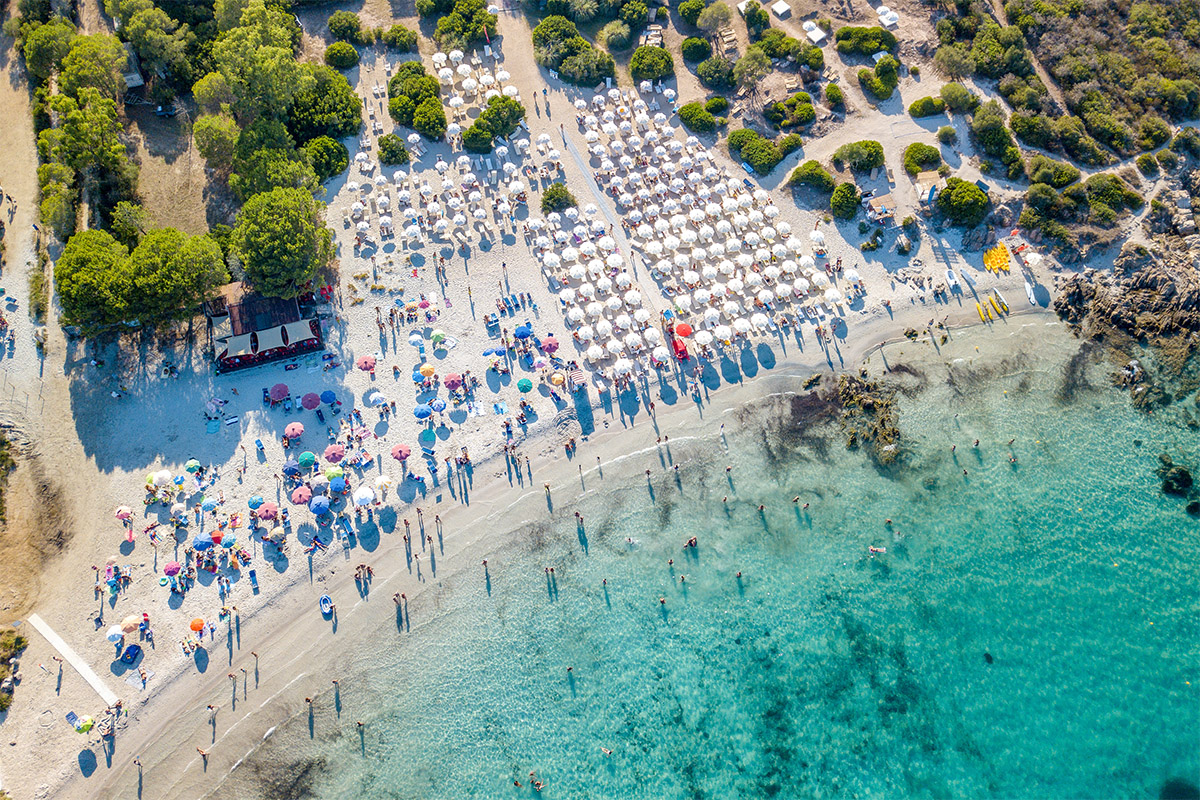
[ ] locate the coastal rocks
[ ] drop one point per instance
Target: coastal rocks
(868, 418)
(1176, 480)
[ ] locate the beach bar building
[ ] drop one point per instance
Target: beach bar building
(247, 329)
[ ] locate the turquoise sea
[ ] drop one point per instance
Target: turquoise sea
(1032, 631)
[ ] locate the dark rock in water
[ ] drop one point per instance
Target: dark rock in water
(1137, 442)
(1193, 507)
(988, 658)
(1179, 789)
(1176, 481)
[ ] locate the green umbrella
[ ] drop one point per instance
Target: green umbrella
(525, 385)
(334, 472)
(437, 336)
(307, 459)
(192, 465)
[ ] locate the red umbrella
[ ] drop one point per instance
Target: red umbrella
(683, 329)
(366, 363)
(279, 391)
(310, 400)
(550, 345)
(334, 452)
(267, 511)
(453, 380)
(301, 495)
(294, 430)
(401, 452)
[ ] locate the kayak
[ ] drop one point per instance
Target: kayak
(979, 308)
(326, 604)
(951, 279)
(1000, 297)
(995, 305)
(1029, 293)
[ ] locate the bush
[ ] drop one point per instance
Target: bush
(1112, 192)
(1167, 159)
(650, 63)
(881, 81)
(558, 45)
(761, 154)
(401, 38)
(690, 10)
(927, 107)
(467, 24)
(796, 110)
(477, 139)
(833, 96)
(328, 157)
(716, 73)
(919, 156)
(392, 150)
(790, 144)
(1034, 130)
(696, 118)
(963, 202)
(959, 98)
(756, 17)
(582, 10)
(1058, 174)
(696, 49)
(429, 118)
(345, 26)
(864, 41)
(1147, 165)
(860, 156)
(813, 175)
(994, 138)
(557, 197)
(1153, 132)
(324, 106)
(947, 135)
(844, 201)
(615, 35)
(635, 14)
(716, 105)
(954, 61)
(341, 55)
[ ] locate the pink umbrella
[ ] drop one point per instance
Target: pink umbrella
(124, 512)
(334, 452)
(279, 391)
(172, 568)
(310, 400)
(401, 452)
(267, 511)
(453, 380)
(423, 304)
(301, 495)
(550, 345)
(366, 363)
(294, 430)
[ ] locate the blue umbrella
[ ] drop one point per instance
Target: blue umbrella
(438, 405)
(376, 399)
(494, 351)
(338, 485)
(208, 505)
(328, 396)
(319, 505)
(255, 502)
(202, 541)
(290, 467)
(523, 332)
(422, 411)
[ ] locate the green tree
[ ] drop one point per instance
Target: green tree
(216, 137)
(341, 55)
(477, 139)
(919, 156)
(228, 13)
(861, 156)
(751, 68)
(650, 63)
(834, 96)
(429, 118)
(92, 280)
(844, 202)
(346, 26)
(160, 42)
(326, 106)
(468, 23)
(46, 46)
(635, 14)
(959, 98)
(401, 38)
(812, 174)
(927, 107)
(258, 62)
(715, 73)
(954, 61)
(128, 223)
(96, 61)
(282, 241)
(615, 35)
(270, 168)
(696, 118)
(88, 135)
(695, 49)
(171, 273)
(715, 17)
(690, 10)
(328, 157)
(962, 202)
(392, 149)
(212, 92)
(557, 197)
(757, 18)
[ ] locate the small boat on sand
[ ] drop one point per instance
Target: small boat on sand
(326, 604)
(1029, 293)
(952, 280)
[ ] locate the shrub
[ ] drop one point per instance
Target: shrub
(919, 156)
(558, 45)
(468, 23)
(927, 107)
(716, 73)
(790, 144)
(345, 26)
(959, 98)
(341, 55)
(833, 95)
(400, 38)
(635, 14)
(813, 175)
(864, 41)
(583, 10)
(947, 135)
(615, 35)
(844, 201)
(881, 81)
(1034, 130)
(328, 157)
(1112, 192)
(557, 197)
(1167, 159)
(1147, 165)
(429, 118)
(860, 156)
(650, 63)
(696, 49)
(477, 139)
(756, 17)
(696, 118)
(994, 138)
(796, 110)
(954, 61)
(1078, 144)
(392, 150)
(690, 10)
(761, 154)
(714, 17)
(716, 105)
(1153, 132)
(962, 202)
(1057, 174)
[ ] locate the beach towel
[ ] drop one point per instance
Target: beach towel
(232, 420)
(500, 408)
(212, 426)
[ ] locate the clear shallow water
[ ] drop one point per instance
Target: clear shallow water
(823, 672)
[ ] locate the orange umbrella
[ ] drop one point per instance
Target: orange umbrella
(197, 624)
(131, 623)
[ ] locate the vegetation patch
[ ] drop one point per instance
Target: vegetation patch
(812, 175)
(864, 41)
(963, 202)
(760, 153)
(557, 45)
(919, 156)
(557, 197)
(793, 112)
(860, 156)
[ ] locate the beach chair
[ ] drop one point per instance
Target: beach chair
(490, 166)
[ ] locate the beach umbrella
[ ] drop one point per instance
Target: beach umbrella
(335, 452)
(683, 329)
(307, 459)
(301, 495)
(525, 385)
(328, 396)
(453, 380)
(294, 430)
(255, 501)
(401, 452)
(334, 471)
(319, 505)
(426, 370)
(197, 625)
(703, 338)
(595, 353)
(172, 568)
(131, 623)
(364, 496)
(366, 363)
(279, 391)
(660, 354)
(202, 541)
(550, 345)
(338, 484)
(422, 411)
(268, 511)
(383, 482)
(523, 332)
(124, 512)
(319, 485)
(209, 504)
(162, 477)
(310, 400)
(278, 534)
(228, 541)
(376, 399)
(114, 634)
(192, 465)
(759, 320)
(438, 405)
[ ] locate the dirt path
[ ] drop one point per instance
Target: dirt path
(92, 18)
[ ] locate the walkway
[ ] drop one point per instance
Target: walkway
(73, 659)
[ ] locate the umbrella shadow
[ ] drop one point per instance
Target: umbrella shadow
(368, 536)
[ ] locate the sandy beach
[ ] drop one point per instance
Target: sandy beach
(95, 421)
